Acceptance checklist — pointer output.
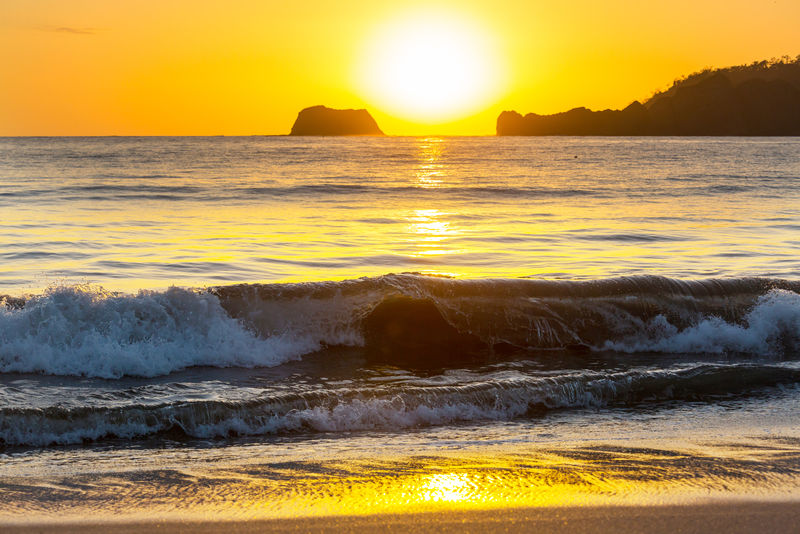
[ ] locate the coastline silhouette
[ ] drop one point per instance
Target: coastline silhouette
(760, 99)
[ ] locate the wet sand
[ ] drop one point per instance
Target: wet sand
(728, 517)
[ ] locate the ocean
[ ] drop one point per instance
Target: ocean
(258, 327)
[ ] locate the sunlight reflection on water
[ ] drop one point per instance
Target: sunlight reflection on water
(133, 213)
(574, 475)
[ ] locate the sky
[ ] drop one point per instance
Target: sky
(246, 67)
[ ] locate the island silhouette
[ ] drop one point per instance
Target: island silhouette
(321, 120)
(759, 99)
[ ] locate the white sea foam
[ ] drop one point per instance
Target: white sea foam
(385, 408)
(334, 411)
(85, 331)
(770, 328)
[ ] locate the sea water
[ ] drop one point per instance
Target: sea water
(273, 326)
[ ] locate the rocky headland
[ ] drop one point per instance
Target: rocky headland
(759, 99)
(321, 120)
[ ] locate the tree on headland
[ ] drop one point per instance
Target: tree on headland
(782, 68)
(762, 98)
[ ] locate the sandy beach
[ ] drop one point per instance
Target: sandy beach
(727, 517)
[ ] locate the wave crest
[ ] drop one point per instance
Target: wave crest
(404, 320)
(771, 327)
(86, 331)
(387, 408)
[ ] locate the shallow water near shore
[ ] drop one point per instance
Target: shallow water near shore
(249, 328)
(676, 454)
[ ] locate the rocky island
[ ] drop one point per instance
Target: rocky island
(758, 99)
(321, 120)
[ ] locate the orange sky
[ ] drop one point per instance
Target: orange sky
(241, 67)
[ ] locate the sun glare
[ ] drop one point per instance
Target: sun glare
(431, 68)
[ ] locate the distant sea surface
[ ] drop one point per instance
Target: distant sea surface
(133, 213)
(282, 326)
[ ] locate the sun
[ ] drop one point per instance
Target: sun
(430, 68)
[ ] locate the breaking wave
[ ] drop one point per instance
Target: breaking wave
(87, 332)
(403, 319)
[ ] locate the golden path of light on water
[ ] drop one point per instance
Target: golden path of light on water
(576, 474)
(430, 171)
(431, 486)
(433, 205)
(430, 233)
(580, 477)
(428, 230)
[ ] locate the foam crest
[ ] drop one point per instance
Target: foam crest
(85, 331)
(403, 320)
(770, 328)
(387, 408)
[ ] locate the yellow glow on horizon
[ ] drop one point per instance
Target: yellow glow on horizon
(431, 67)
(198, 67)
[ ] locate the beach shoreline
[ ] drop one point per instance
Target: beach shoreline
(710, 517)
